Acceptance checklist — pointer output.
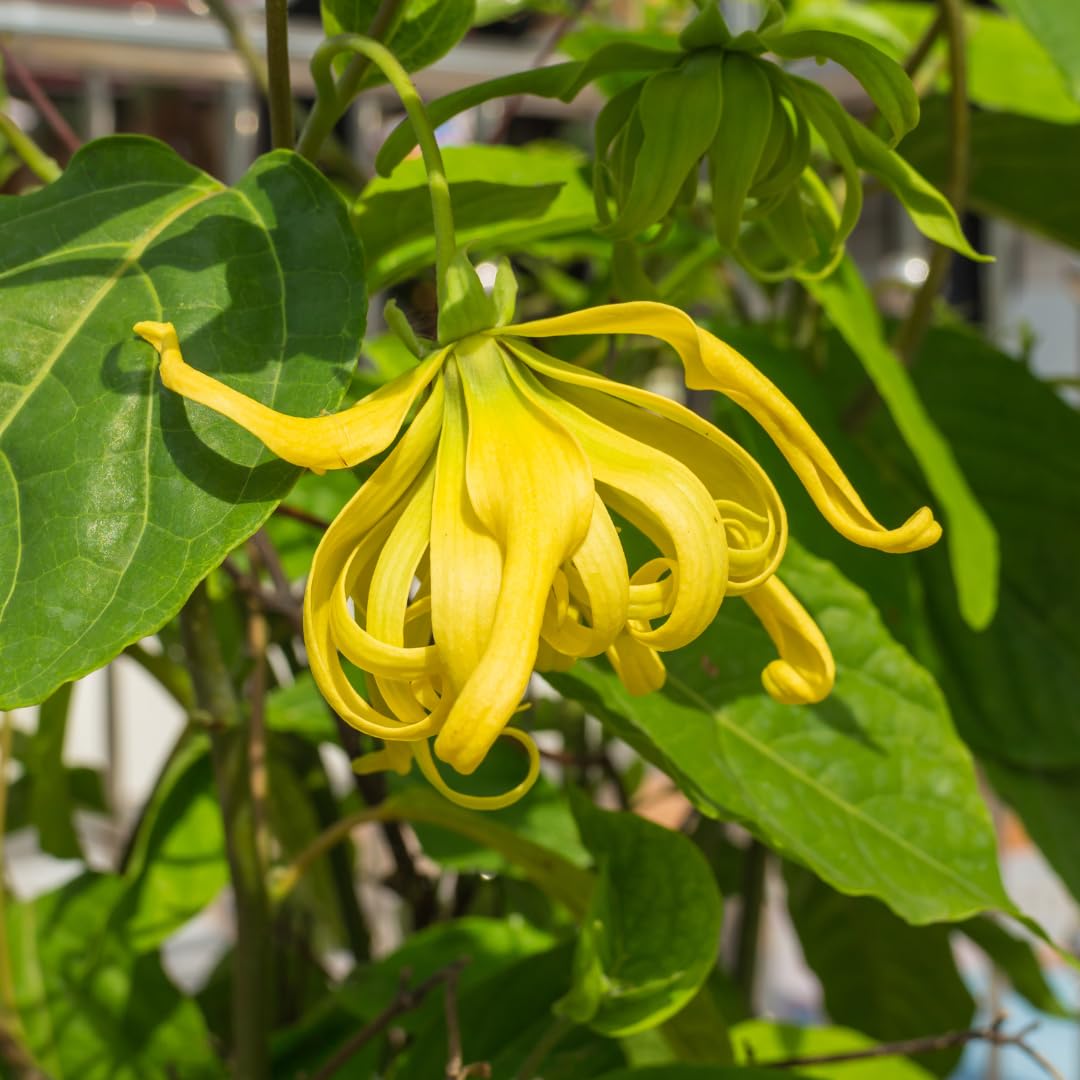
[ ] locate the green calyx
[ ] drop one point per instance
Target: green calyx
(464, 306)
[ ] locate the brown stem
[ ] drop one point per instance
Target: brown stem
(406, 1000)
(294, 512)
(282, 133)
(258, 637)
(929, 1044)
(61, 128)
(251, 982)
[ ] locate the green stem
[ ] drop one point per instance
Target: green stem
(277, 62)
(386, 62)
(252, 982)
(547, 1042)
(749, 931)
(35, 159)
(328, 110)
(913, 329)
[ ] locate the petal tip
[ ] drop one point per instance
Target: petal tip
(160, 335)
(789, 686)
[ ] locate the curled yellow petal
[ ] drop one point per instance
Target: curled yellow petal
(805, 672)
(710, 364)
(422, 753)
(638, 666)
(337, 441)
(667, 502)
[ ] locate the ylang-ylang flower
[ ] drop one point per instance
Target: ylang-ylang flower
(486, 544)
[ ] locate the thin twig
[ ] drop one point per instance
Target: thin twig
(50, 113)
(929, 1044)
(547, 1042)
(45, 168)
(406, 1000)
(748, 935)
(282, 132)
(258, 637)
(252, 975)
(294, 512)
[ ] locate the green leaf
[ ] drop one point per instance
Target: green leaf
(563, 81)
(90, 1007)
(650, 935)
(871, 789)
(764, 1041)
(52, 801)
(427, 30)
(969, 533)
(882, 78)
(1022, 169)
(884, 994)
(1016, 959)
(178, 863)
(1056, 24)
(106, 526)
(538, 193)
(1013, 688)
(675, 1071)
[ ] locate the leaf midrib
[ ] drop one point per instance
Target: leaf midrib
(855, 811)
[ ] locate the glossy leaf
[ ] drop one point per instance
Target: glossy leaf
(871, 789)
(650, 935)
(762, 1041)
(90, 1007)
(115, 496)
(426, 31)
(675, 1071)
(177, 866)
(884, 994)
(1056, 24)
(502, 196)
(1013, 687)
(1022, 169)
(969, 534)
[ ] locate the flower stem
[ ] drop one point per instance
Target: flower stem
(251, 983)
(386, 62)
(35, 159)
(277, 62)
(328, 110)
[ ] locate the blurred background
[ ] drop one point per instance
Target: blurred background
(182, 71)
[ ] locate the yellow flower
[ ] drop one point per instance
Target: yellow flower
(483, 546)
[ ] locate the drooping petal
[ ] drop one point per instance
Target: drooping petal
(667, 502)
(805, 672)
(337, 441)
(712, 365)
(753, 515)
(466, 564)
(638, 666)
(600, 581)
(422, 753)
(365, 522)
(530, 485)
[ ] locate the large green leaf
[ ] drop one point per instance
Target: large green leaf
(871, 789)
(115, 496)
(178, 864)
(884, 994)
(650, 936)
(1056, 24)
(90, 1007)
(969, 534)
(427, 30)
(764, 1041)
(1014, 688)
(1022, 169)
(502, 195)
